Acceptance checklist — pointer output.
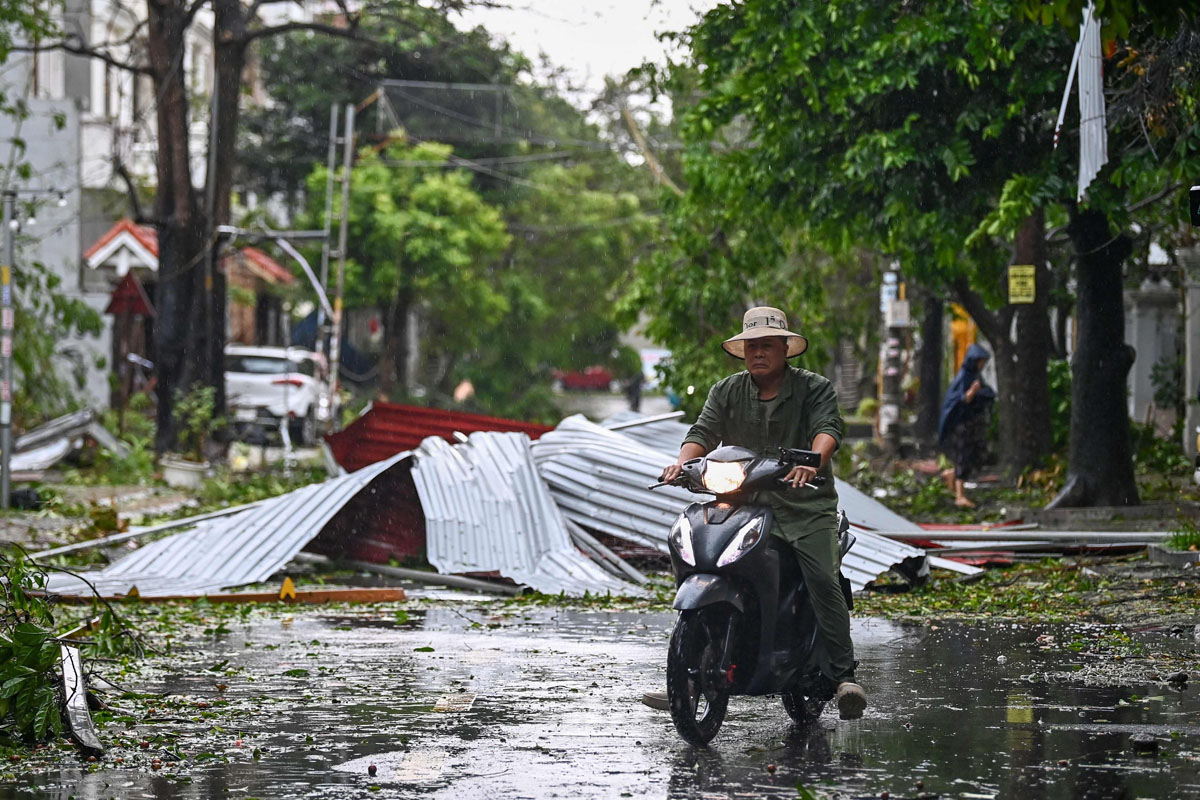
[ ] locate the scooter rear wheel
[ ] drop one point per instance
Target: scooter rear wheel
(696, 690)
(802, 709)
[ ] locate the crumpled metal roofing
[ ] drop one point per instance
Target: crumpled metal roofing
(486, 509)
(232, 551)
(628, 510)
(599, 477)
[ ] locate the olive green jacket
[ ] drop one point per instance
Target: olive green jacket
(806, 405)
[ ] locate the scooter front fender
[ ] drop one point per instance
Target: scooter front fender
(702, 589)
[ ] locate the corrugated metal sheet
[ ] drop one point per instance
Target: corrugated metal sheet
(599, 477)
(233, 551)
(864, 512)
(486, 509)
(873, 554)
(388, 428)
(1093, 126)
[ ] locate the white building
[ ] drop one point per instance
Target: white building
(89, 121)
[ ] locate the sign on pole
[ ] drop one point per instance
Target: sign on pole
(1022, 283)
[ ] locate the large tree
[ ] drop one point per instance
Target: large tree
(420, 236)
(191, 294)
(1154, 152)
(579, 213)
(876, 127)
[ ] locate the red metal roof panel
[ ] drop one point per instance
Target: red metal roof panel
(390, 428)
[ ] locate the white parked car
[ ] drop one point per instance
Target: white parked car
(264, 385)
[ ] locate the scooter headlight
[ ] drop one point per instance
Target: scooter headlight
(723, 477)
(681, 539)
(745, 538)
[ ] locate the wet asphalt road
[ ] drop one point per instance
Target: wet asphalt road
(455, 703)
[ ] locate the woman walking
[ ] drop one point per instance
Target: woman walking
(962, 429)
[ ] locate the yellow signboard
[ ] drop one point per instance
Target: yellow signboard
(1022, 283)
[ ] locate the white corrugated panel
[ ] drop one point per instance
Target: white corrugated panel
(231, 551)
(599, 477)
(1093, 126)
(487, 509)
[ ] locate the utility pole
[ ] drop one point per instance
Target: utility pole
(896, 323)
(11, 225)
(6, 342)
(331, 166)
(335, 340)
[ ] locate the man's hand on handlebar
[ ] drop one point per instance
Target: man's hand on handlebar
(799, 476)
(670, 473)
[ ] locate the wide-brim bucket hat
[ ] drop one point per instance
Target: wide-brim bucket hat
(763, 321)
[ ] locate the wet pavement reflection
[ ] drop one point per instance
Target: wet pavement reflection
(455, 703)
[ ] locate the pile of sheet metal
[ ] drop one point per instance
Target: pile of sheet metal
(599, 478)
(247, 547)
(494, 503)
(486, 509)
(41, 448)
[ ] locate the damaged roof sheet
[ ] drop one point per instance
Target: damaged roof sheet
(237, 550)
(486, 509)
(599, 477)
(584, 464)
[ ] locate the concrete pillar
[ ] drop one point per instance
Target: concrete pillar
(1189, 261)
(1151, 320)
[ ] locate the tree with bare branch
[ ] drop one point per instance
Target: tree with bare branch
(189, 337)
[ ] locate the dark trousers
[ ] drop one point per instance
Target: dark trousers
(817, 554)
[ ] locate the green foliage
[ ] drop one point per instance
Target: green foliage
(1052, 590)
(280, 140)
(1186, 537)
(1167, 379)
(134, 468)
(420, 237)
(1118, 15)
(577, 215)
(1156, 455)
(820, 135)
(28, 654)
(46, 320)
(195, 410)
(1058, 375)
(233, 489)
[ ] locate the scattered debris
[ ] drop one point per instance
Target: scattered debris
(304, 596)
(79, 719)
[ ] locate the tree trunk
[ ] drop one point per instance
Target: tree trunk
(929, 369)
(1100, 467)
(1027, 438)
(180, 224)
(393, 374)
(230, 44)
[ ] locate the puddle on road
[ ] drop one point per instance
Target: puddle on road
(456, 703)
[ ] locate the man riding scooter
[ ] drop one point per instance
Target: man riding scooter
(771, 405)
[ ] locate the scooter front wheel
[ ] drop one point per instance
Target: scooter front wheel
(697, 692)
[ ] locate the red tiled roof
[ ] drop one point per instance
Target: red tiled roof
(146, 236)
(274, 270)
(389, 428)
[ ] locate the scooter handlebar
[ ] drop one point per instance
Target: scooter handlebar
(815, 482)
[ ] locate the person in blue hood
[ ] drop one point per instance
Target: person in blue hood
(962, 429)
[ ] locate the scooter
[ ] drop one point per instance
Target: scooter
(746, 624)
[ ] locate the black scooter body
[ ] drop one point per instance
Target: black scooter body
(778, 640)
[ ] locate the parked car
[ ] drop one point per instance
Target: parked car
(595, 379)
(264, 385)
